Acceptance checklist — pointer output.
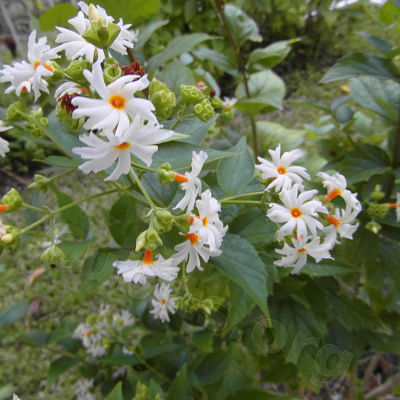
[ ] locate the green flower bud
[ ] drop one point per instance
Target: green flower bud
(75, 69)
(167, 166)
(374, 227)
(204, 110)
(91, 319)
(12, 200)
(14, 110)
(106, 342)
(216, 102)
(377, 194)
(93, 14)
(148, 239)
(40, 182)
(11, 238)
(163, 221)
(228, 114)
(163, 99)
(191, 94)
(142, 392)
(66, 118)
(183, 223)
(378, 211)
(53, 255)
(112, 73)
(58, 73)
(165, 177)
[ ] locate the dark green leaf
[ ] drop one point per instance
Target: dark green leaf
(13, 312)
(57, 15)
(255, 394)
(240, 263)
(147, 31)
(61, 162)
(116, 393)
(378, 43)
(161, 194)
(59, 366)
(358, 64)
(221, 61)
(180, 388)
(236, 172)
(174, 74)
(211, 367)
(175, 48)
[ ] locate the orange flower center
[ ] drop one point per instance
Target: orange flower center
(117, 102)
(391, 205)
(193, 238)
(123, 146)
(205, 220)
(163, 302)
(301, 250)
(334, 221)
(335, 193)
(3, 207)
(148, 257)
(47, 66)
(281, 170)
(88, 333)
(296, 213)
(181, 178)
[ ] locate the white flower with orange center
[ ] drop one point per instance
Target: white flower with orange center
(296, 256)
(163, 302)
(191, 250)
(336, 186)
(298, 212)
(281, 170)
(4, 148)
(341, 223)
(207, 224)
(191, 183)
(25, 76)
(137, 271)
(396, 206)
(139, 140)
(117, 103)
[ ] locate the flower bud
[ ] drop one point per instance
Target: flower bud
(40, 182)
(183, 223)
(111, 73)
(377, 194)
(378, 211)
(148, 239)
(75, 69)
(162, 98)
(216, 102)
(374, 227)
(93, 14)
(7, 238)
(12, 200)
(191, 94)
(53, 255)
(204, 110)
(65, 117)
(165, 177)
(163, 221)
(14, 112)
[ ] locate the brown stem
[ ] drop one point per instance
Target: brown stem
(242, 69)
(385, 388)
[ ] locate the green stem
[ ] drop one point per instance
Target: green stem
(244, 195)
(66, 207)
(144, 167)
(240, 202)
(143, 190)
(61, 174)
(36, 208)
(127, 192)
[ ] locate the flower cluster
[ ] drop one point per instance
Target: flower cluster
(304, 216)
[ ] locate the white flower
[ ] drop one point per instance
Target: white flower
(82, 392)
(297, 256)
(193, 249)
(138, 270)
(298, 213)
(4, 148)
(281, 171)
(191, 183)
(336, 186)
(341, 224)
(83, 331)
(126, 318)
(39, 66)
(69, 88)
(125, 38)
(117, 102)
(229, 101)
(207, 224)
(15, 397)
(138, 140)
(162, 302)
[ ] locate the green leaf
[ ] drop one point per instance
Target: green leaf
(268, 57)
(361, 163)
(180, 387)
(78, 222)
(358, 64)
(14, 312)
(382, 45)
(147, 31)
(176, 47)
(59, 366)
(211, 367)
(242, 26)
(120, 358)
(389, 13)
(240, 262)
(174, 74)
(61, 162)
(161, 194)
(236, 172)
(220, 60)
(7, 391)
(267, 91)
(116, 393)
(57, 15)
(383, 97)
(131, 11)
(272, 134)
(255, 394)
(344, 114)
(123, 222)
